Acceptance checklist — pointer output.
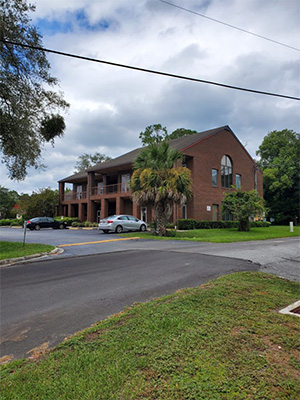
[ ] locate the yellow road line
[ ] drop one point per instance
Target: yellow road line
(100, 241)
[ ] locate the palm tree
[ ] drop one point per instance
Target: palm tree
(157, 180)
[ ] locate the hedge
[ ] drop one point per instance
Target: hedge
(68, 220)
(189, 224)
(11, 222)
(85, 224)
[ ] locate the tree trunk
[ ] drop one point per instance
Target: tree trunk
(244, 225)
(161, 219)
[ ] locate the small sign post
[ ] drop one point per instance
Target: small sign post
(25, 226)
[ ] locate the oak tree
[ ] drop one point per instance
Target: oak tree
(29, 112)
(86, 161)
(279, 160)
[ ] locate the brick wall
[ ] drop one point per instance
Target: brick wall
(207, 155)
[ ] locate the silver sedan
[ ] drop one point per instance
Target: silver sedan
(120, 223)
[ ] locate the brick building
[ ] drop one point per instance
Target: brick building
(216, 158)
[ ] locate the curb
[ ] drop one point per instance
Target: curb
(73, 228)
(11, 261)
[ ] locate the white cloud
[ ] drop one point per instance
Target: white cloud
(110, 106)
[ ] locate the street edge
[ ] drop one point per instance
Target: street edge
(11, 261)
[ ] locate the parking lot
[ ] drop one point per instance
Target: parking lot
(75, 239)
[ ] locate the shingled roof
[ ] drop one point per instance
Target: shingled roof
(179, 144)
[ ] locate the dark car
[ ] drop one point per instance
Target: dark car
(45, 222)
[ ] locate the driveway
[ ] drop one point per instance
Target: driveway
(45, 301)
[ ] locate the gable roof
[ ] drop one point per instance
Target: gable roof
(184, 142)
(180, 144)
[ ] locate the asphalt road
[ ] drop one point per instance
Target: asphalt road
(278, 256)
(46, 301)
(43, 302)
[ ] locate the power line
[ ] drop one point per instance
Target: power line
(149, 70)
(229, 25)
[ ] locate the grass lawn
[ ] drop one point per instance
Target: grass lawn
(226, 235)
(223, 340)
(16, 249)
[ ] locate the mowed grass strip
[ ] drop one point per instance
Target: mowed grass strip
(227, 235)
(16, 249)
(223, 340)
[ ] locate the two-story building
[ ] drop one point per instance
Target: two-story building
(216, 158)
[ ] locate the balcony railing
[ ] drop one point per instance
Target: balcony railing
(69, 196)
(110, 189)
(98, 191)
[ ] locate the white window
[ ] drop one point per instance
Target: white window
(144, 214)
(100, 188)
(214, 177)
(125, 182)
(238, 181)
(255, 177)
(79, 192)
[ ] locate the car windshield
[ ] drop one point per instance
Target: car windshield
(34, 219)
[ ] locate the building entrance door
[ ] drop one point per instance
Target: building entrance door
(144, 214)
(215, 212)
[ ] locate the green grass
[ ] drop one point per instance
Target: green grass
(227, 235)
(16, 249)
(223, 340)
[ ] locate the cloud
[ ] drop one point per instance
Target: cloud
(110, 106)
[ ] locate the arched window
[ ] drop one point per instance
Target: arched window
(226, 172)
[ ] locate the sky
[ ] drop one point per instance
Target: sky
(110, 106)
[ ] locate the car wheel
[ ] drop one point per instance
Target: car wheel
(37, 227)
(119, 229)
(61, 226)
(143, 228)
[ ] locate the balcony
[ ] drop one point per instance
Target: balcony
(116, 188)
(98, 192)
(71, 196)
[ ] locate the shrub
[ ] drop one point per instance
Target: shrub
(216, 224)
(260, 224)
(171, 232)
(75, 224)
(17, 222)
(170, 226)
(186, 224)
(11, 222)
(68, 220)
(5, 222)
(87, 224)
